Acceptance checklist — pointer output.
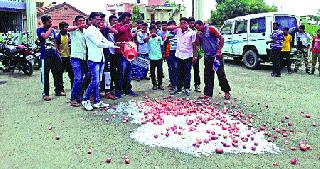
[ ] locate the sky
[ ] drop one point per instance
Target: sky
(298, 7)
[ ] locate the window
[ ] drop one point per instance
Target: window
(39, 4)
(258, 25)
(142, 16)
(241, 27)
(286, 21)
(226, 29)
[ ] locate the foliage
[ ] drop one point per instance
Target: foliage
(136, 13)
(312, 29)
(172, 4)
(227, 9)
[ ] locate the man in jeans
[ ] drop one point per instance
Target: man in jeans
(212, 43)
(78, 59)
(186, 54)
(95, 43)
(171, 42)
(123, 36)
(276, 45)
(50, 59)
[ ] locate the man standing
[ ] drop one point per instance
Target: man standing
(114, 68)
(196, 68)
(170, 48)
(63, 43)
(286, 49)
(95, 43)
(276, 45)
(105, 30)
(50, 59)
(186, 54)
(164, 29)
(123, 36)
(78, 59)
(302, 40)
(140, 70)
(212, 43)
(315, 49)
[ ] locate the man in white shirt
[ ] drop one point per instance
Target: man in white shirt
(186, 54)
(77, 59)
(95, 43)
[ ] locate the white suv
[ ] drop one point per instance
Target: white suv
(246, 36)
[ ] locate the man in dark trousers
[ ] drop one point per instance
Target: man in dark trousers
(212, 43)
(123, 36)
(50, 59)
(196, 66)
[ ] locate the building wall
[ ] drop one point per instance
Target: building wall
(155, 2)
(62, 14)
(162, 15)
(198, 10)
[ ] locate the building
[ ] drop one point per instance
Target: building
(11, 15)
(17, 16)
(118, 9)
(155, 2)
(163, 12)
(61, 12)
(155, 10)
(198, 9)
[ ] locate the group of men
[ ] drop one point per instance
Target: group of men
(87, 49)
(282, 44)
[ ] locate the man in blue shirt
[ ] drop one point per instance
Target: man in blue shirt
(276, 45)
(50, 59)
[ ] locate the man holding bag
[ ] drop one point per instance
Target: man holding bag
(212, 42)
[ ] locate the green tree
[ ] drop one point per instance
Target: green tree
(136, 13)
(227, 9)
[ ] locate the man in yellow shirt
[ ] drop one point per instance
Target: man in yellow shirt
(63, 42)
(286, 49)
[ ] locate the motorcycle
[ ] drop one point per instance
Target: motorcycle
(16, 57)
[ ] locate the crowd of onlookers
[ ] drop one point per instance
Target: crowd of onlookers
(281, 46)
(94, 55)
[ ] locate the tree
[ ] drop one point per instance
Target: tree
(227, 9)
(136, 13)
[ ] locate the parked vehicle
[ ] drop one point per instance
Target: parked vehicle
(16, 57)
(246, 36)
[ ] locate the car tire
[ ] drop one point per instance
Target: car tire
(251, 59)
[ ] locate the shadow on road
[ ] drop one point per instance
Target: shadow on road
(15, 74)
(265, 67)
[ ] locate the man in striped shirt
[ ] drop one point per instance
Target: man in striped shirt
(172, 41)
(276, 45)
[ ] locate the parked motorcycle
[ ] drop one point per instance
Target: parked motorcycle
(16, 57)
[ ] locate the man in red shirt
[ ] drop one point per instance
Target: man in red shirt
(124, 35)
(316, 52)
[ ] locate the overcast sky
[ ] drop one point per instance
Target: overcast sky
(297, 7)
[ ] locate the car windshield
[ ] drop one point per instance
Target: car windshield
(287, 21)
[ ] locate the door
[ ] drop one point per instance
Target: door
(257, 35)
(240, 37)
(226, 32)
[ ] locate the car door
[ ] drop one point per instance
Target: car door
(257, 35)
(240, 36)
(226, 32)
